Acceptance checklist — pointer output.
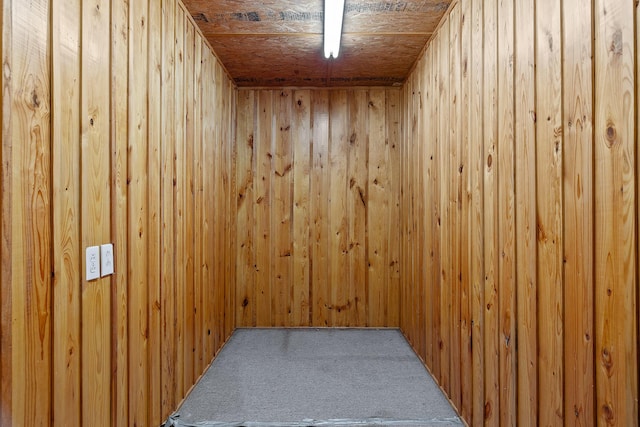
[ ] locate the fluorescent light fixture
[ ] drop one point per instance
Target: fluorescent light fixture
(333, 12)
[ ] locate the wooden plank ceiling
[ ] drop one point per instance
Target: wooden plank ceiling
(279, 43)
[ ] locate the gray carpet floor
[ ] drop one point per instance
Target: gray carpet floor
(315, 377)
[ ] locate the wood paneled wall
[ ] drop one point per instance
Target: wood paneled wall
(520, 211)
(318, 207)
(117, 126)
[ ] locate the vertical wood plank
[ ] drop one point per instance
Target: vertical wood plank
(27, 151)
(95, 202)
(549, 149)
(357, 204)
(615, 233)
(526, 220)
(199, 235)
(466, 359)
(232, 214)
(189, 202)
(226, 181)
(154, 165)
(476, 158)
(119, 215)
(138, 216)
(506, 218)
(491, 213)
(429, 192)
(168, 152)
(179, 200)
(436, 207)
(263, 208)
(245, 291)
(66, 213)
(454, 202)
(406, 288)
(219, 220)
(301, 141)
(320, 291)
(394, 103)
(6, 237)
(444, 226)
(281, 208)
(209, 109)
(339, 234)
(419, 122)
(578, 213)
(378, 212)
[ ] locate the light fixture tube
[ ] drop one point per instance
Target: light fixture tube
(333, 13)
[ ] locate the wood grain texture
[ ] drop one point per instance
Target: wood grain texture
(578, 224)
(96, 163)
(280, 43)
(154, 168)
(466, 348)
(338, 232)
(208, 230)
(548, 125)
(506, 209)
(138, 216)
(27, 154)
(66, 212)
(6, 294)
(119, 224)
(446, 246)
(476, 159)
(378, 209)
(615, 237)
(282, 210)
(429, 190)
(454, 203)
(357, 199)
(168, 245)
(179, 187)
(320, 293)
(316, 211)
(526, 219)
(262, 208)
(95, 208)
(188, 204)
(245, 289)
(302, 149)
(491, 214)
(394, 105)
(549, 152)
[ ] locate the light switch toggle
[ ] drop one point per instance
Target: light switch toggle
(106, 254)
(93, 262)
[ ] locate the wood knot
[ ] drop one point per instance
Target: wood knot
(616, 43)
(607, 361)
(245, 302)
(299, 103)
(610, 135)
(487, 410)
(607, 413)
(489, 161)
(35, 101)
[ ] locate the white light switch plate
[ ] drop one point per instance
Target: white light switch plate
(93, 262)
(106, 254)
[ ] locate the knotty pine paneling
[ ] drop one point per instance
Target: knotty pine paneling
(118, 126)
(317, 191)
(531, 209)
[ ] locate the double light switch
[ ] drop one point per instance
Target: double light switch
(99, 261)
